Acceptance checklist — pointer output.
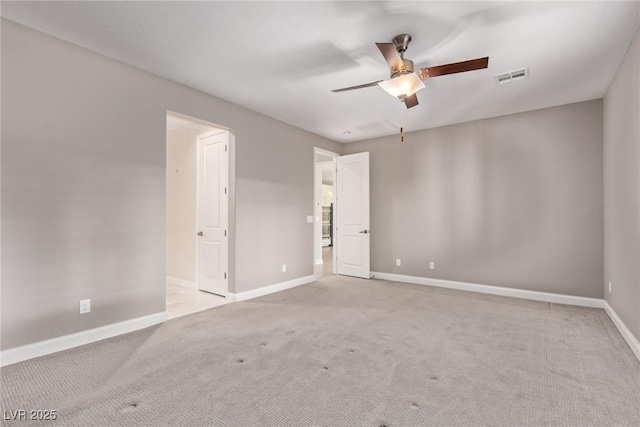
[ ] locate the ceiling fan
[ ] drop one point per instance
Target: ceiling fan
(404, 83)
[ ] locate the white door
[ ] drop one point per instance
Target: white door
(353, 241)
(212, 222)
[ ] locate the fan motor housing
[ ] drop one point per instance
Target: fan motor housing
(408, 68)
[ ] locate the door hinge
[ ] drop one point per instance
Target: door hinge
(225, 190)
(225, 275)
(225, 148)
(225, 233)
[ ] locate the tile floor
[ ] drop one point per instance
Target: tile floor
(326, 268)
(182, 301)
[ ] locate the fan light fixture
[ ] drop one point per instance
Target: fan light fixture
(404, 83)
(403, 86)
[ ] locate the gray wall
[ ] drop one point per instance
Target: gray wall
(83, 188)
(513, 201)
(622, 189)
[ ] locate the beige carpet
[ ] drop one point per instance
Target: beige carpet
(347, 352)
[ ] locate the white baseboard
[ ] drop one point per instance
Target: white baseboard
(624, 331)
(183, 283)
(41, 348)
(494, 290)
(319, 261)
(243, 296)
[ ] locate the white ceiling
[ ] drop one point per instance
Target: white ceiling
(282, 59)
(327, 170)
(327, 173)
(175, 122)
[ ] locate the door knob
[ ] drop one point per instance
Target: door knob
(200, 233)
(364, 232)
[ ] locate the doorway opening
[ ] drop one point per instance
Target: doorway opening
(197, 176)
(324, 212)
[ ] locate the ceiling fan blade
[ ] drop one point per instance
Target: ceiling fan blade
(357, 87)
(391, 55)
(411, 101)
(456, 67)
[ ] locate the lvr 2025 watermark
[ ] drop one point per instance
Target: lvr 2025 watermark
(29, 415)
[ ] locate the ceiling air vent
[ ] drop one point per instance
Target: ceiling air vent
(512, 76)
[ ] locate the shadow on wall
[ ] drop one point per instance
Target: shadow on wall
(468, 195)
(514, 201)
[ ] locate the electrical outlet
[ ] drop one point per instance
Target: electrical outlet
(85, 306)
(398, 262)
(310, 219)
(432, 266)
(609, 287)
(284, 268)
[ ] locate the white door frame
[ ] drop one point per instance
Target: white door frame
(322, 151)
(226, 218)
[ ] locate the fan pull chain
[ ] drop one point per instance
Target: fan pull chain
(402, 122)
